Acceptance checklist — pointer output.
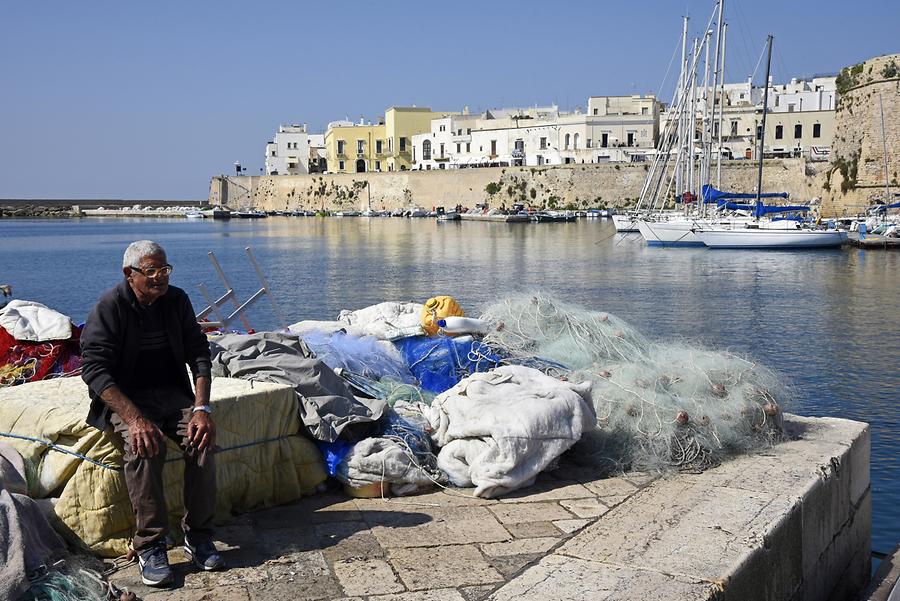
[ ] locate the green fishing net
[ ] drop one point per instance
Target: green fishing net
(71, 580)
(660, 406)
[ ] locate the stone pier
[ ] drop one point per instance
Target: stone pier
(790, 524)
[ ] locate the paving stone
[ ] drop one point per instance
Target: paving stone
(511, 565)
(440, 567)
(445, 594)
(534, 530)
(523, 546)
(585, 508)
(431, 526)
(551, 490)
(325, 507)
(225, 593)
(294, 591)
(476, 593)
(557, 578)
(518, 513)
(347, 540)
(658, 528)
(366, 577)
(274, 543)
(612, 491)
(570, 526)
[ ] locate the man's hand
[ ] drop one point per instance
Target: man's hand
(145, 437)
(201, 431)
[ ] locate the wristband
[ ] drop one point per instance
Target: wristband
(204, 408)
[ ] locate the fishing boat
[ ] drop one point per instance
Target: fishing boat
(194, 214)
(553, 217)
(249, 214)
(449, 216)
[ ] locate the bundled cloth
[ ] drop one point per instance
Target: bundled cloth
(498, 430)
(34, 322)
(327, 407)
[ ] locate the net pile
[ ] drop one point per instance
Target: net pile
(659, 406)
(73, 580)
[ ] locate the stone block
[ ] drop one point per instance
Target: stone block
(441, 567)
(533, 530)
(445, 594)
(570, 526)
(525, 546)
(429, 526)
(225, 593)
(585, 508)
(366, 577)
(347, 540)
(559, 578)
(517, 513)
(612, 491)
(547, 490)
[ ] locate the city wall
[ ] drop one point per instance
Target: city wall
(578, 185)
(856, 176)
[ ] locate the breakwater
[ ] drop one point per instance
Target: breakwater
(576, 186)
(60, 208)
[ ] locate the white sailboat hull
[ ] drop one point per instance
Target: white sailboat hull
(625, 223)
(771, 238)
(669, 233)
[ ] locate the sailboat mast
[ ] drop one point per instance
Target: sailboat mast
(762, 133)
(721, 111)
(679, 166)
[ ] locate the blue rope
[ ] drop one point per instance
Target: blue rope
(113, 468)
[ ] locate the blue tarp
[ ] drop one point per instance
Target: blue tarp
(711, 195)
(440, 363)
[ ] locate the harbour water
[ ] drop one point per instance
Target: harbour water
(829, 321)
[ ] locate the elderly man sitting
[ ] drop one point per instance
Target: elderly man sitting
(135, 345)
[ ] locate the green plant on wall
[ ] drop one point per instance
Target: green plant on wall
(492, 188)
(890, 70)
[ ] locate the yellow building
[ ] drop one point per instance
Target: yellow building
(355, 148)
(401, 123)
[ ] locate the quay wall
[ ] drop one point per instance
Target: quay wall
(580, 186)
(856, 176)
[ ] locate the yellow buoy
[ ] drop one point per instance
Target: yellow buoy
(437, 308)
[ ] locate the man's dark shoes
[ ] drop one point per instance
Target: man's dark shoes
(204, 555)
(154, 564)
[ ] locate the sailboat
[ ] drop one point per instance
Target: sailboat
(760, 233)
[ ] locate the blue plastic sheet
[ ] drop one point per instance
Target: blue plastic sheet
(440, 363)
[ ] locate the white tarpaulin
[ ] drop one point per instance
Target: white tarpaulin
(34, 322)
(498, 430)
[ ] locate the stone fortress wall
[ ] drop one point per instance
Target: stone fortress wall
(579, 185)
(856, 176)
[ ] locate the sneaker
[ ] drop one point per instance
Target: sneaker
(204, 555)
(154, 565)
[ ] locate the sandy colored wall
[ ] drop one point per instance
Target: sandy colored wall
(582, 185)
(856, 176)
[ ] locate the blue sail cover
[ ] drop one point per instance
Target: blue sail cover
(763, 209)
(884, 208)
(710, 194)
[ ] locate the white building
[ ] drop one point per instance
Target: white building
(614, 129)
(289, 152)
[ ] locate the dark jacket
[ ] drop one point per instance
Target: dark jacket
(110, 343)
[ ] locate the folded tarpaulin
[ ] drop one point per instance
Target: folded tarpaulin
(327, 407)
(439, 363)
(498, 430)
(34, 322)
(386, 321)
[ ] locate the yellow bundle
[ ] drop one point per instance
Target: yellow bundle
(437, 308)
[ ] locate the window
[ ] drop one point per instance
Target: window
(540, 160)
(791, 107)
(758, 132)
(817, 130)
(341, 165)
(734, 126)
(378, 146)
(604, 140)
(377, 165)
(442, 127)
(631, 138)
(459, 132)
(645, 110)
(468, 147)
(426, 150)
(543, 143)
(576, 142)
(588, 143)
(360, 146)
(519, 145)
(273, 154)
(493, 148)
(340, 147)
(402, 144)
(595, 111)
(442, 150)
(779, 132)
(469, 131)
(457, 147)
(566, 146)
(798, 131)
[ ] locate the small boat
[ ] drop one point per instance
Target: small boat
(553, 217)
(249, 214)
(194, 214)
(449, 216)
(417, 212)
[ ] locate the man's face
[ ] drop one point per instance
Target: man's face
(148, 289)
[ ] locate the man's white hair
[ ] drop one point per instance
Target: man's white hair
(139, 249)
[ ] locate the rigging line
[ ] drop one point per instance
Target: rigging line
(666, 76)
(742, 29)
(761, 55)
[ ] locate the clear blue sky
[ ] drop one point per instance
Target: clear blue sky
(147, 100)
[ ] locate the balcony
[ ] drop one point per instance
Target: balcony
(463, 139)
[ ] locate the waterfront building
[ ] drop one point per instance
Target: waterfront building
(289, 151)
(401, 124)
(615, 128)
(318, 157)
(355, 147)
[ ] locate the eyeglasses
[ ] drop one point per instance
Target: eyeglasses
(153, 272)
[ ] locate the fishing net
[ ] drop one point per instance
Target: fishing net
(72, 580)
(366, 356)
(659, 406)
(23, 361)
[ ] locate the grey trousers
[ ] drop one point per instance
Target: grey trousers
(144, 480)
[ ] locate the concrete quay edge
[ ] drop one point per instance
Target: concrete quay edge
(792, 523)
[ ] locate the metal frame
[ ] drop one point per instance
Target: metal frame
(214, 306)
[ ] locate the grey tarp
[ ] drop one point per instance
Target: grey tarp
(327, 407)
